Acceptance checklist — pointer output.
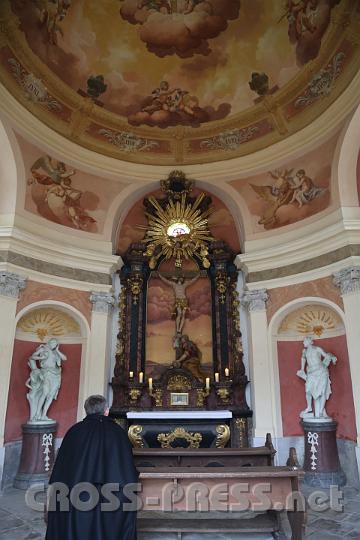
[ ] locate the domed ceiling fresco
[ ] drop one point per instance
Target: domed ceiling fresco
(177, 81)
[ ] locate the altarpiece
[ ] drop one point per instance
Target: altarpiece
(179, 343)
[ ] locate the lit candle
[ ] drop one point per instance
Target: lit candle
(150, 384)
(131, 374)
(217, 377)
(141, 377)
(227, 372)
(207, 383)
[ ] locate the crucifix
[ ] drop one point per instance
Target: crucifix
(179, 285)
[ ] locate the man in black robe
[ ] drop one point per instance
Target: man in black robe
(96, 452)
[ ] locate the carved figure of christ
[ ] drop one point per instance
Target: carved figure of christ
(179, 286)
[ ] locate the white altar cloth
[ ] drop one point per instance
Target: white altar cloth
(173, 415)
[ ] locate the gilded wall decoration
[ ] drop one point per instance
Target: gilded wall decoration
(241, 427)
(178, 383)
(223, 435)
(134, 434)
(179, 230)
(166, 439)
(49, 322)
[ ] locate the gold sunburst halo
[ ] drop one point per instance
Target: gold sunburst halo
(190, 217)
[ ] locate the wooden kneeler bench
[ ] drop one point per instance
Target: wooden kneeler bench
(180, 493)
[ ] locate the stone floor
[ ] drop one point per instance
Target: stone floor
(18, 522)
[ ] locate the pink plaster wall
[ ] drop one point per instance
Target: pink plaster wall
(36, 292)
(321, 288)
(340, 405)
(64, 409)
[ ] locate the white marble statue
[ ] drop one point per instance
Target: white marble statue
(317, 380)
(44, 381)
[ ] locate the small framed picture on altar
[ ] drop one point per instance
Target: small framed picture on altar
(179, 399)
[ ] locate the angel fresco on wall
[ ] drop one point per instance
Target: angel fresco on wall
(308, 21)
(298, 189)
(181, 27)
(55, 197)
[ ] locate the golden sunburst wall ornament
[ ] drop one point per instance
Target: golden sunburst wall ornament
(48, 322)
(178, 229)
(312, 319)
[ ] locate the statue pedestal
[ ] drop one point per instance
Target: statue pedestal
(37, 454)
(321, 463)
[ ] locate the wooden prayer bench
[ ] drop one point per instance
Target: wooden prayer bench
(171, 492)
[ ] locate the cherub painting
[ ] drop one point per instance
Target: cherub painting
(171, 106)
(287, 189)
(308, 21)
(55, 196)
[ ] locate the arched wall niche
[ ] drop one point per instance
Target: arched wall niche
(35, 324)
(127, 213)
(323, 320)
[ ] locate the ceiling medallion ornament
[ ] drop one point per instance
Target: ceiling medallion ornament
(177, 226)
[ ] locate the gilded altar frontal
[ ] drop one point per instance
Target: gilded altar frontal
(179, 269)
